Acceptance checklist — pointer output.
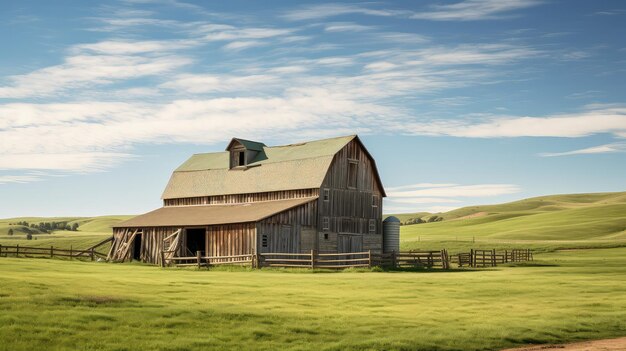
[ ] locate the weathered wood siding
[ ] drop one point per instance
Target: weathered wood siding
(289, 231)
(349, 210)
(151, 242)
(241, 198)
(231, 239)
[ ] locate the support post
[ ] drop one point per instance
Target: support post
(17, 250)
(51, 251)
(198, 258)
(91, 254)
(369, 257)
(162, 259)
(312, 258)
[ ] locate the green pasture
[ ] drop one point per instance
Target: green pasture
(69, 305)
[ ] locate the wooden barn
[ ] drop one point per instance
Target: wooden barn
(323, 195)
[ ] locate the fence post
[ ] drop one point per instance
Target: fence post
(0, 250)
(369, 256)
(162, 259)
(198, 259)
(71, 252)
(17, 250)
(493, 258)
(312, 258)
(91, 254)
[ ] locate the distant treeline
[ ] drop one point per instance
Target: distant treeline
(421, 220)
(46, 227)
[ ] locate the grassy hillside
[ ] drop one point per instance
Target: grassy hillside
(577, 220)
(90, 231)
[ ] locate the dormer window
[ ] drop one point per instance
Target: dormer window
(245, 153)
(241, 158)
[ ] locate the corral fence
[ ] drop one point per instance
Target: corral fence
(51, 252)
(491, 258)
(314, 259)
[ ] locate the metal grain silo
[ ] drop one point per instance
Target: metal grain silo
(391, 234)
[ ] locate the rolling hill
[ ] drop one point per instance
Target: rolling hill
(594, 219)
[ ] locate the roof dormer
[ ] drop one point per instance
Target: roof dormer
(243, 152)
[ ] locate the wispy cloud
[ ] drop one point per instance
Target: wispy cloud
(601, 149)
(595, 121)
(331, 10)
(472, 10)
(4, 179)
(468, 10)
(479, 190)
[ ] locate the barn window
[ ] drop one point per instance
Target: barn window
(326, 195)
(241, 158)
(325, 236)
(372, 228)
(353, 172)
(264, 240)
(325, 223)
(374, 200)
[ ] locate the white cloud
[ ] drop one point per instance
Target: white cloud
(4, 179)
(241, 45)
(601, 149)
(472, 10)
(330, 10)
(420, 185)
(74, 162)
(84, 70)
(422, 200)
(607, 120)
(479, 190)
(346, 27)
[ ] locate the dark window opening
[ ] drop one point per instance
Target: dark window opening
(353, 171)
(196, 241)
(241, 158)
(264, 240)
(137, 248)
(325, 236)
(326, 194)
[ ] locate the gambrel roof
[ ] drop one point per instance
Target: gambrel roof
(276, 168)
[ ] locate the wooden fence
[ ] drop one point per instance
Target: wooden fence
(414, 259)
(491, 258)
(26, 251)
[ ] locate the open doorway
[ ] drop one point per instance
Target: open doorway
(196, 241)
(137, 247)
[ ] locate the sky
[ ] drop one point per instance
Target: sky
(460, 102)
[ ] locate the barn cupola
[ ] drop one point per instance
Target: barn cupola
(243, 152)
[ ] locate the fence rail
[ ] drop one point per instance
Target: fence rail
(27, 251)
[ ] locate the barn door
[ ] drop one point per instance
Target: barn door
(285, 238)
(343, 243)
(349, 243)
(356, 243)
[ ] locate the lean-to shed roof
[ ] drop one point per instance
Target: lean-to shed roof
(212, 214)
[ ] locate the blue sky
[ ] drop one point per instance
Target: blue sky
(461, 102)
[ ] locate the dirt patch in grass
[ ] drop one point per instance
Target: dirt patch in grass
(618, 344)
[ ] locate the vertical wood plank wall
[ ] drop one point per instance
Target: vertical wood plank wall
(231, 239)
(284, 230)
(349, 210)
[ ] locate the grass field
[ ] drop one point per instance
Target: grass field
(565, 296)
(562, 296)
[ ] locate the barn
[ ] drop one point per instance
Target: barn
(324, 195)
